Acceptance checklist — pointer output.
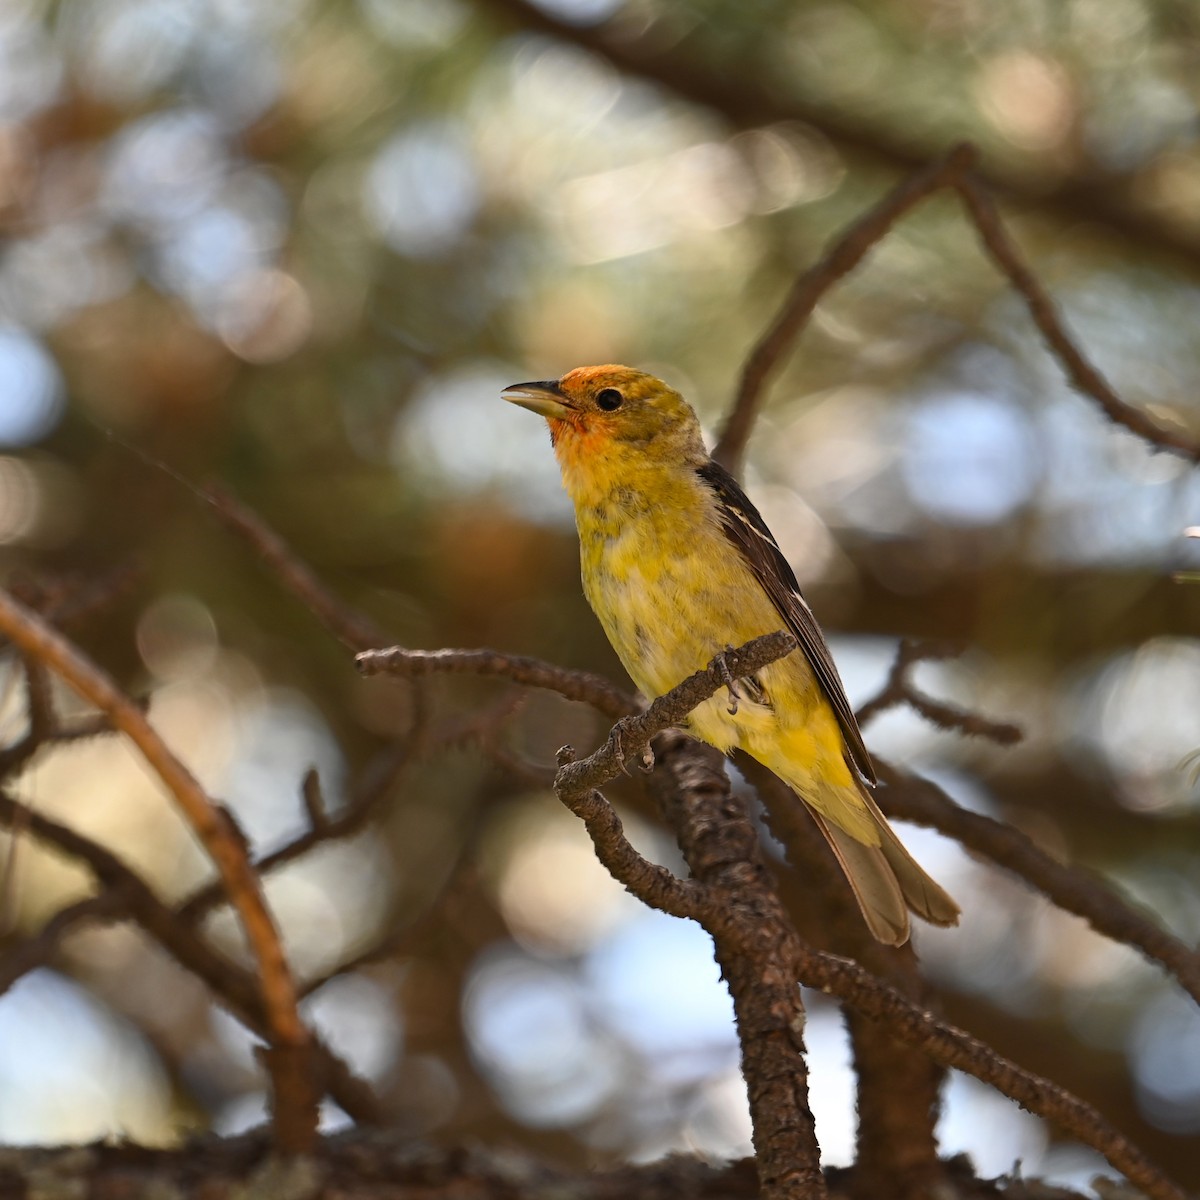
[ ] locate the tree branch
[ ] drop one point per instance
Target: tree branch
(37, 951)
(693, 792)
(953, 1048)
(295, 1113)
(841, 257)
(745, 925)
(126, 896)
(346, 623)
(721, 848)
(848, 250)
(1083, 376)
(1072, 888)
(898, 1087)
(748, 101)
(582, 686)
(899, 689)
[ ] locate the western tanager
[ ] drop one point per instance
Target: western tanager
(679, 566)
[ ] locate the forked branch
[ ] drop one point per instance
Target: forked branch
(737, 910)
(295, 1106)
(954, 171)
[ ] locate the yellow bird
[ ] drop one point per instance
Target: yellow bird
(678, 565)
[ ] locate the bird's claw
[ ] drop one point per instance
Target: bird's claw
(620, 731)
(719, 661)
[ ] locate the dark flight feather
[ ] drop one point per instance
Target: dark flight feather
(746, 529)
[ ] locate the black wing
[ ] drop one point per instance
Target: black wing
(746, 529)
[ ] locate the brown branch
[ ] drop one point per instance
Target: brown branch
(346, 623)
(576, 781)
(691, 786)
(44, 727)
(127, 896)
(721, 848)
(914, 1025)
(1072, 888)
(1084, 377)
(954, 170)
(950, 1047)
(37, 951)
(377, 784)
(895, 689)
(631, 735)
(378, 780)
(40, 719)
(71, 600)
(582, 686)
(398, 943)
(954, 1048)
(483, 732)
(842, 256)
(898, 1087)
(518, 767)
(362, 1165)
(738, 924)
(112, 905)
(748, 101)
(899, 689)
(314, 803)
(651, 883)
(295, 1114)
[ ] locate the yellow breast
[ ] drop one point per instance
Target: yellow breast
(667, 585)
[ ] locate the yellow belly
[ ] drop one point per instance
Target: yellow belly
(669, 604)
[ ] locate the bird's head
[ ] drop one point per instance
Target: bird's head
(612, 412)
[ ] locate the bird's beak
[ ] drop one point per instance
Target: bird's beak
(546, 398)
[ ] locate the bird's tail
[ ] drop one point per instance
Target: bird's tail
(886, 880)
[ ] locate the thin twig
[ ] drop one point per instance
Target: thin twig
(1072, 888)
(314, 800)
(287, 1030)
(845, 253)
(900, 689)
(378, 781)
(126, 896)
(34, 952)
(346, 623)
(397, 943)
(954, 170)
(1084, 377)
(895, 689)
(70, 600)
(518, 767)
(39, 705)
(582, 686)
(754, 100)
(953, 1047)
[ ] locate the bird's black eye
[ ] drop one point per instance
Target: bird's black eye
(609, 399)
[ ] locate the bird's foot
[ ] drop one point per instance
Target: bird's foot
(719, 661)
(618, 739)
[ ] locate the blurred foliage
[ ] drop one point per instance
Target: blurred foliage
(299, 246)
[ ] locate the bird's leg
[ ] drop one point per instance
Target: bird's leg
(727, 678)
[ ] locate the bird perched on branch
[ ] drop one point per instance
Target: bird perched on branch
(679, 566)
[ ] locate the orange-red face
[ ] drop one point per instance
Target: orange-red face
(609, 405)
